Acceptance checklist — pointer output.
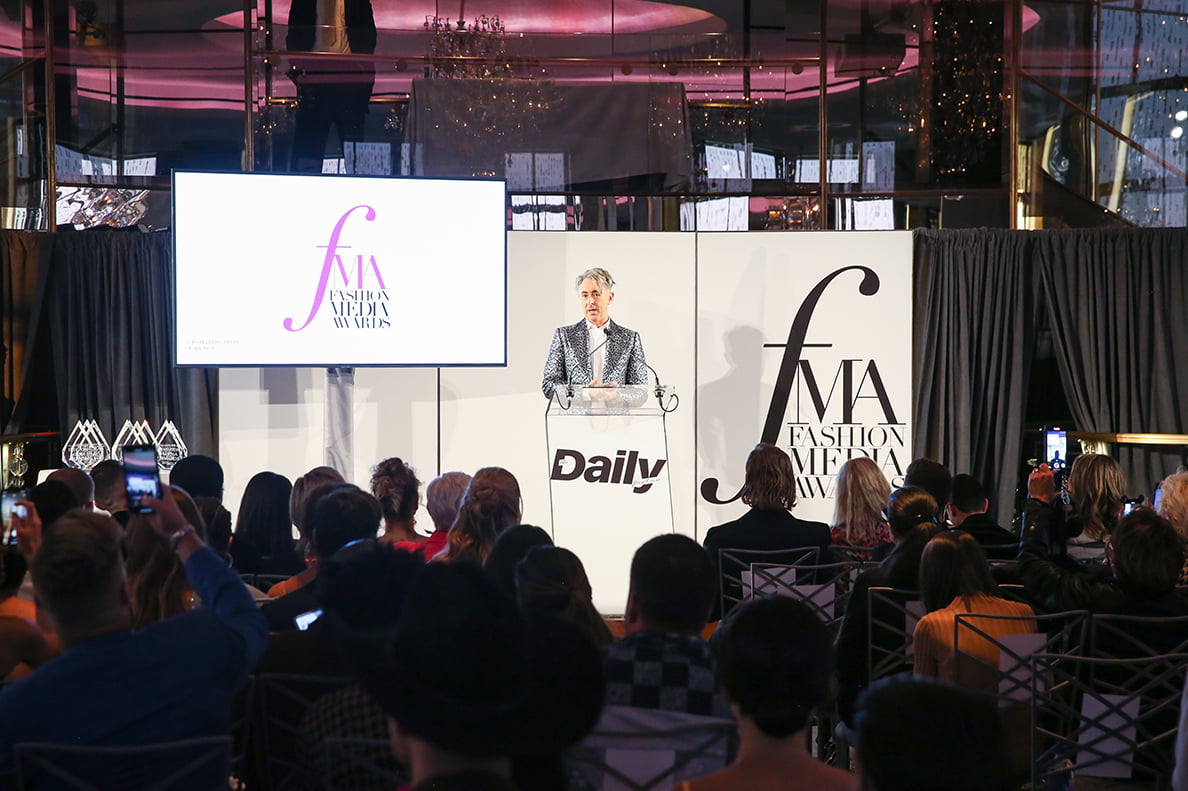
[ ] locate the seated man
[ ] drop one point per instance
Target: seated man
(79, 482)
(967, 510)
(663, 663)
(345, 514)
(171, 680)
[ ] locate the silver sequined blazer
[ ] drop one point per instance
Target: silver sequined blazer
(569, 359)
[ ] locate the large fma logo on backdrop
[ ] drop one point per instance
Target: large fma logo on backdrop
(831, 420)
(353, 305)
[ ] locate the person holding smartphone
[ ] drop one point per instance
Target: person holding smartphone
(172, 680)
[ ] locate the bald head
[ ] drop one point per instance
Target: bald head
(79, 482)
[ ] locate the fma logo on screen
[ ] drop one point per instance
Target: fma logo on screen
(354, 305)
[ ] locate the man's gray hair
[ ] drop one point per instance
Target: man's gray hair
(598, 275)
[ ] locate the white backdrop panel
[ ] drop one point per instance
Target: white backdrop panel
(269, 419)
(496, 415)
(749, 289)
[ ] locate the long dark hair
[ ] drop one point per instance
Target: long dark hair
(262, 526)
(954, 566)
(552, 581)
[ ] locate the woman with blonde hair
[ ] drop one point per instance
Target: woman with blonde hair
(861, 497)
(1096, 492)
(157, 583)
(491, 505)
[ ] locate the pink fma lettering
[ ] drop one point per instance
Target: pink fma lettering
(334, 259)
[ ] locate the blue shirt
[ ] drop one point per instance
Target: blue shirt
(172, 680)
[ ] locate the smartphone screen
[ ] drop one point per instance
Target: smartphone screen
(1055, 446)
(8, 503)
(1158, 497)
(306, 619)
(140, 476)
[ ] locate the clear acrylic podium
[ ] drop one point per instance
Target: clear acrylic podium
(609, 487)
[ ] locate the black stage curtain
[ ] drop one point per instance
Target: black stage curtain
(104, 302)
(24, 268)
(1117, 305)
(974, 323)
(111, 302)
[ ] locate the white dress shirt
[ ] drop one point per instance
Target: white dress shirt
(596, 345)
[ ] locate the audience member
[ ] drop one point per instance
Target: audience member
(1096, 491)
(934, 478)
(860, 497)
(108, 477)
(361, 590)
(491, 504)
(774, 669)
(967, 510)
(509, 549)
(770, 490)
(1173, 506)
(490, 684)
(552, 581)
(52, 499)
(200, 476)
(158, 587)
(303, 487)
(915, 734)
(345, 514)
(11, 575)
(442, 497)
(23, 643)
(171, 680)
(79, 482)
(263, 538)
(955, 578)
(663, 662)
(910, 512)
(394, 483)
(299, 507)
(1146, 554)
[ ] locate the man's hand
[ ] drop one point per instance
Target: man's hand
(1041, 484)
(166, 518)
(28, 530)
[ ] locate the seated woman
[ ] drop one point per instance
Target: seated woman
(955, 578)
(157, 583)
(299, 506)
(862, 492)
(491, 504)
(263, 539)
(396, 486)
(552, 581)
(774, 668)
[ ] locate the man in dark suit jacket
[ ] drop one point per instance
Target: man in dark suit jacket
(967, 510)
(770, 490)
(595, 350)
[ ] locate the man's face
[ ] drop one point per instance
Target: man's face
(595, 301)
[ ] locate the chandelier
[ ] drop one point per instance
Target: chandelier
(474, 52)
